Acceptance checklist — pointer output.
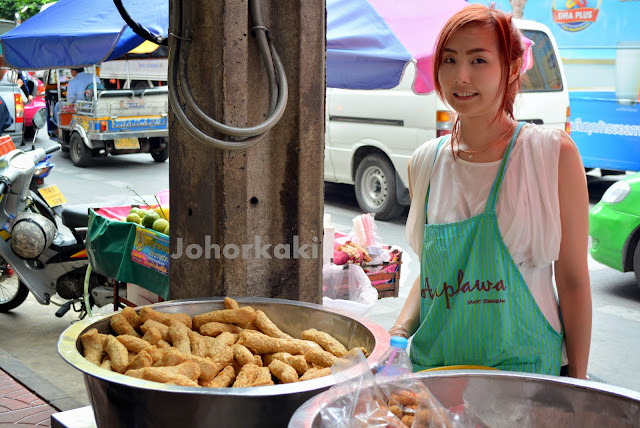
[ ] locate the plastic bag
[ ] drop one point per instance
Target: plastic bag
(356, 400)
(359, 399)
(348, 288)
(412, 402)
(365, 232)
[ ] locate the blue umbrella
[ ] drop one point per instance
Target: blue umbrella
(78, 33)
(370, 42)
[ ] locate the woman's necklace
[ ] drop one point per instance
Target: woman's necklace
(470, 153)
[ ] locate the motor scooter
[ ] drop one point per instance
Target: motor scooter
(42, 242)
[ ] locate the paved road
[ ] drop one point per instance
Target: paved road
(30, 332)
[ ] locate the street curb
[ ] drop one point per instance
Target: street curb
(37, 384)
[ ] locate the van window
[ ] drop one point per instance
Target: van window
(545, 75)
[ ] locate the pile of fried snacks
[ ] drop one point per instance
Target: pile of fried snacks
(232, 347)
(419, 409)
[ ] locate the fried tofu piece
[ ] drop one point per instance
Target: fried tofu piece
(132, 343)
(257, 360)
(184, 374)
(106, 364)
(298, 362)
(93, 346)
(266, 326)
(247, 376)
(215, 328)
(171, 358)
(360, 348)
(407, 420)
(214, 346)
(163, 329)
(198, 344)
(178, 333)
(120, 325)
(143, 359)
(283, 371)
(328, 342)
(152, 335)
(209, 367)
(166, 318)
(309, 344)
(222, 359)
(229, 303)
(242, 355)
(315, 373)
(230, 316)
(164, 345)
(224, 379)
(263, 378)
(118, 354)
(131, 316)
(260, 343)
(320, 358)
(156, 353)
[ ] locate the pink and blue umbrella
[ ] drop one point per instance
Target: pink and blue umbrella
(370, 42)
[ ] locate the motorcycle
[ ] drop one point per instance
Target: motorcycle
(40, 241)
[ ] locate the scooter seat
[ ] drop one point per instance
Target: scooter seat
(76, 215)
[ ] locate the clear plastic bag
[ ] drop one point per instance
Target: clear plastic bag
(348, 288)
(365, 232)
(356, 400)
(359, 399)
(412, 402)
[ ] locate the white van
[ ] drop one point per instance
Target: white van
(371, 134)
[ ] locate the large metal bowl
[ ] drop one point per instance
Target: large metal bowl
(123, 401)
(509, 399)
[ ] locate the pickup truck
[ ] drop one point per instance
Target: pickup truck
(112, 122)
(12, 96)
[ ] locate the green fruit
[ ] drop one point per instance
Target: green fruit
(136, 210)
(134, 218)
(149, 218)
(160, 225)
(166, 231)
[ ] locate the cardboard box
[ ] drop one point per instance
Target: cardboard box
(140, 296)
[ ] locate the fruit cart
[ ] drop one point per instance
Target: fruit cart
(128, 252)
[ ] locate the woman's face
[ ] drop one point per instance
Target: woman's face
(471, 72)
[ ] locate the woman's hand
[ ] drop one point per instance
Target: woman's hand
(409, 319)
(399, 330)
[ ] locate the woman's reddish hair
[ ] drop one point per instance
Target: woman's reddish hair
(510, 49)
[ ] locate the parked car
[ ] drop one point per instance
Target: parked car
(614, 226)
(12, 96)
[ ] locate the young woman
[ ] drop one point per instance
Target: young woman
(499, 209)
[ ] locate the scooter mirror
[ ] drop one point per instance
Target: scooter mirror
(40, 118)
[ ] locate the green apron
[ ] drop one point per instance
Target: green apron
(475, 307)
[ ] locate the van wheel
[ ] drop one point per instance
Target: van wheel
(162, 155)
(376, 188)
(79, 152)
(12, 293)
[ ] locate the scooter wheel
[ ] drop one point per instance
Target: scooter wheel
(12, 294)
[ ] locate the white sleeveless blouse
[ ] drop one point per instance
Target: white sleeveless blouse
(528, 208)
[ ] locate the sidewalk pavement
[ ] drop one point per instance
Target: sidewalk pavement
(27, 399)
(19, 406)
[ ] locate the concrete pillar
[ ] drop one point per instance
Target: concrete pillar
(271, 193)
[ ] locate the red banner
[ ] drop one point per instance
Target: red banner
(586, 14)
